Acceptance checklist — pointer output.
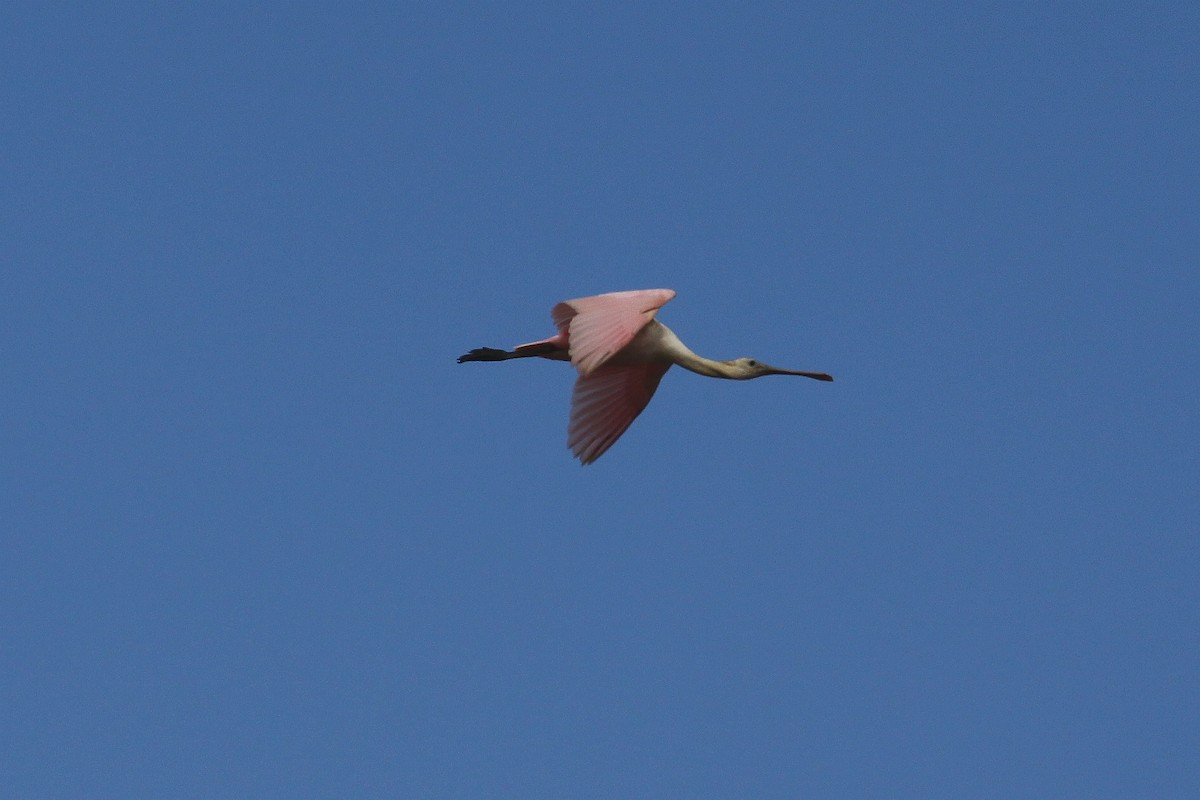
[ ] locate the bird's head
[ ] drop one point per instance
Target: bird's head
(743, 369)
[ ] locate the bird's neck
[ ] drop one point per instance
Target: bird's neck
(680, 354)
(706, 366)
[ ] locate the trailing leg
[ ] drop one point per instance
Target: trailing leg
(548, 349)
(488, 354)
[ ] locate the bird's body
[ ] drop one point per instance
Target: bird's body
(621, 353)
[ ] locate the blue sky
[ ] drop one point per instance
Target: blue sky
(263, 537)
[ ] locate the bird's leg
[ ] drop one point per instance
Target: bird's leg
(488, 354)
(538, 350)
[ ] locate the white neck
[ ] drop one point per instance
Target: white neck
(677, 352)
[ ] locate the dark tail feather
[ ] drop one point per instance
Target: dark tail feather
(487, 354)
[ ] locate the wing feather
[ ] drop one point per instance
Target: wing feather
(605, 403)
(598, 327)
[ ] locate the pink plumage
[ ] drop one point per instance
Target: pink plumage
(606, 402)
(600, 326)
(621, 353)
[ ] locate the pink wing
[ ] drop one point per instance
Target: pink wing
(600, 326)
(604, 404)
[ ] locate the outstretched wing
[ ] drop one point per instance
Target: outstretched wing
(605, 402)
(600, 326)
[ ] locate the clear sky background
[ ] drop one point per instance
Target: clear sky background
(263, 537)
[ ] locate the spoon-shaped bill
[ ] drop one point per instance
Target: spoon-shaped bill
(820, 376)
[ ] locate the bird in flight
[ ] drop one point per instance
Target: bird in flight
(621, 353)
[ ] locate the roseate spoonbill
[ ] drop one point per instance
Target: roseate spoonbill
(621, 353)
